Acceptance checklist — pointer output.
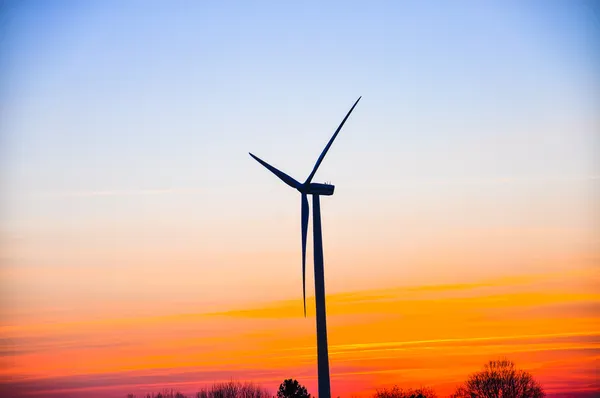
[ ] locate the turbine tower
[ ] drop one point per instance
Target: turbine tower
(316, 190)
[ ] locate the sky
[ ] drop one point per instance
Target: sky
(141, 247)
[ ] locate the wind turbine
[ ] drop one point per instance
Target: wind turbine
(316, 190)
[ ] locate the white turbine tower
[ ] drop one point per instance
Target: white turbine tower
(316, 190)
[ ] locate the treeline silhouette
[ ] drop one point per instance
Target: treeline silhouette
(232, 389)
(498, 378)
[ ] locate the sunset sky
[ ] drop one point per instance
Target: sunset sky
(141, 248)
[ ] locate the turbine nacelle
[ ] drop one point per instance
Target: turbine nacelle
(316, 189)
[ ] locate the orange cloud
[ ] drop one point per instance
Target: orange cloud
(431, 335)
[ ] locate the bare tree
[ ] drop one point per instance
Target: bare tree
(500, 379)
(164, 394)
(397, 392)
(233, 389)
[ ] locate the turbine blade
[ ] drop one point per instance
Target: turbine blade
(304, 233)
(284, 177)
(312, 174)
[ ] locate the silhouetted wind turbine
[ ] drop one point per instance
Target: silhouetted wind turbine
(316, 190)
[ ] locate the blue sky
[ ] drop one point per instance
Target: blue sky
(135, 119)
(189, 85)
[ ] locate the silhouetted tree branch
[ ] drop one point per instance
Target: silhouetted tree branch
(500, 379)
(397, 392)
(234, 389)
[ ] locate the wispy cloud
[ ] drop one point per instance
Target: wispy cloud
(114, 193)
(509, 180)
(518, 292)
